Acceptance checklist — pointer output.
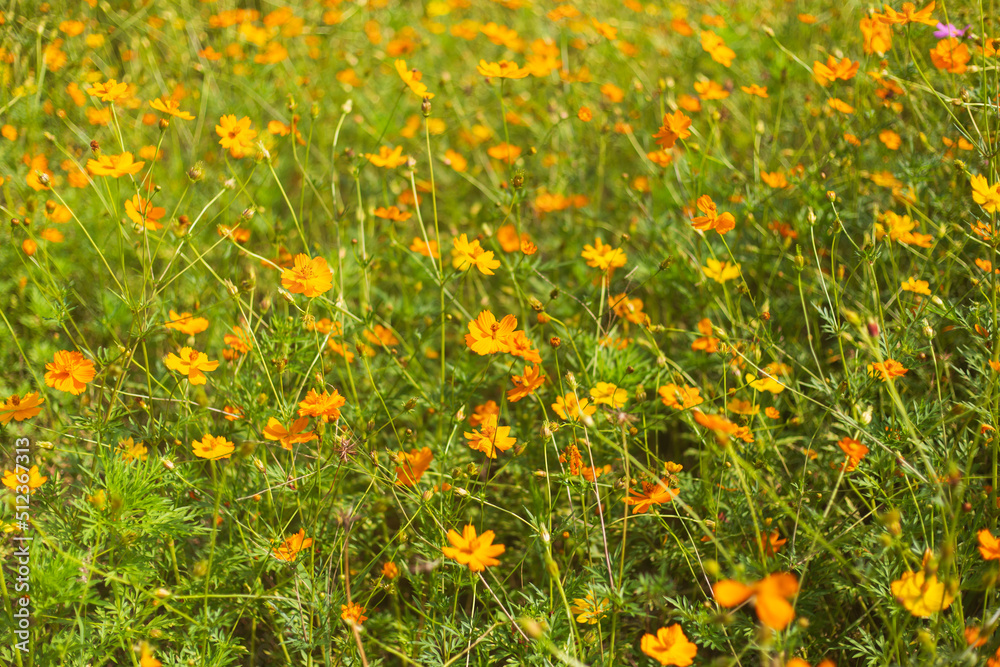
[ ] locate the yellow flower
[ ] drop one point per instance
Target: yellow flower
(478, 552)
(308, 277)
(986, 195)
(916, 286)
(605, 393)
(502, 70)
(235, 135)
(132, 451)
(19, 408)
(720, 272)
(411, 77)
(35, 479)
(114, 165)
(213, 447)
(185, 323)
(171, 108)
(192, 363)
(920, 593)
(289, 550)
(388, 158)
(669, 646)
(589, 610)
(109, 91)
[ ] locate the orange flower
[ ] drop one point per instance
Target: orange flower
(989, 546)
(309, 277)
(392, 213)
(478, 552)
(571, 408)
(289, 550)
(109, 91)
(481, 412)
(717, 423)
(916, 286)
(950, 55)
(326, 405)
(844, 69)
(840, 105)
(236, 135)
(854, 450)
(891, 140)
(19, 409)
(186, 323)
(502, 70)
(520, 346)
(388, 158)
(775, 179)
(413, 466)
(288, 437)
(487, 336)
(490, 437)
(213, 447)
(908, 14)
(170, 107)
(504, 151)
(710, 90)
(878, 36)
(712, 220)
(679, 397)
(888, 369)
(770, 597)
(192, 363)
(669, 646)
(389, 570)
(754, 89)
(239, 342)
(653, 493)
(114, 165)
(142, 212)
(720, 272)
(716, 47)
(675, 126)
(353, 612)
(585, 114)
(69, 371)
(411, 77)
(425, 248)
(525, 385)
(604, 257)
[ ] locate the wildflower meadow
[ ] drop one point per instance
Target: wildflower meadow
(499, 332)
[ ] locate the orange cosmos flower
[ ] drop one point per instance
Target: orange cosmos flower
(891, 140)
(392, 213)
(191, 363)
(326, 405)
(916, 286)
(950, 55)
(679, 397)
(720, 272)
(770, 596)
(711, 218)
(289, 550)
(478, 552)
(388, 158)
(675, 126)
(520, 346)
(288, 437)
(716, 47)
(754, 89)
(481, 412)
(487, 336)
(490, 437)
(69, 371)
(877, 35)
(235, 135)
(502, 70)
(900, 228)
(114, 165)
(19, 409)
(844, 69)
(504, 151)
(888, 369)
(854, 450)
(466, 254)
(413, 465)
(774, 179)
(989, 546)
(142, 212)
(353, 612)
(411, 77)
(525, 385)
(425, 248)
(669, 646)
(35, 479)
(984, 194)
(309, 277)
(239, 342)
(710, 90)
(653, 493)
(186, 323)
(170, 107)
(390, 571)
(840, 105)
(908, 14)
(109, 91)
(604, 257)
(213, 447)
